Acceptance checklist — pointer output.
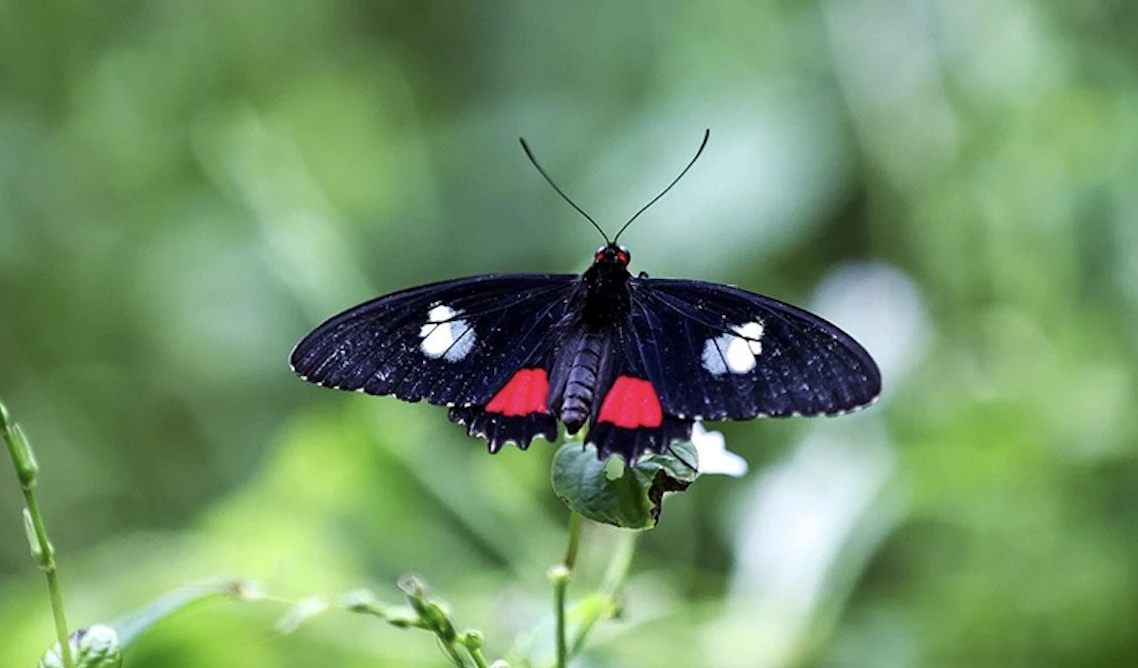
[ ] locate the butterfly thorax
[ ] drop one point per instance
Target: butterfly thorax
(605, 298)
(581, 371)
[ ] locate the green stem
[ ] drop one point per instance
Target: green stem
(479, 659)
(574, 540)
(559, 587)
(452, 653)
(54, 586)
(560, 577)
(616, 575)
(24, 461)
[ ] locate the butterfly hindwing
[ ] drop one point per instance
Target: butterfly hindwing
(631, 420)
(627, 416)
(716, 351)
(453, 343)
(517, 412)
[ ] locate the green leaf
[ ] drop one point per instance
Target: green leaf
(610, 492)
(138, 621)
(101, 646)
(94, 647)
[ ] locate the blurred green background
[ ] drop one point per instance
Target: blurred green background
(186, 188)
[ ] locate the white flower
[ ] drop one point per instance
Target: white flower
(714, 458)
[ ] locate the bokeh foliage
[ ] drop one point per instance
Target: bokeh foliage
(187, 187)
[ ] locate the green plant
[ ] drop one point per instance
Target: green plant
(608, 491)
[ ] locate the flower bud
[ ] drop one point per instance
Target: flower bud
(27, 470)
(41, 552)
(94, 647)
(473, 640)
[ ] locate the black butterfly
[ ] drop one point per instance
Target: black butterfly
(638, 359)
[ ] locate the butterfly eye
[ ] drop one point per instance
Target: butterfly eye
(600, 255)
(623, 257)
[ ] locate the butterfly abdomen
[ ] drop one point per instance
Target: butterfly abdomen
(579, 364)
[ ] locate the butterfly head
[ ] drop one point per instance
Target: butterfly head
(612, 254)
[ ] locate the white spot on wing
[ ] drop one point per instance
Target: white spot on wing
(734, 353)
(446, 335)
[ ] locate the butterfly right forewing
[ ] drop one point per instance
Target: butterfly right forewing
(716, 351)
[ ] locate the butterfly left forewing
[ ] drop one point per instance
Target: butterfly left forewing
(452, 343)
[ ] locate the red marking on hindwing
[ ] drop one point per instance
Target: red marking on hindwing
(524, 394)
(631, 403)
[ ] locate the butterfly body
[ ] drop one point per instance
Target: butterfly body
(635, 359)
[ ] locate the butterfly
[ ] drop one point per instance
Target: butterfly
(636, 360)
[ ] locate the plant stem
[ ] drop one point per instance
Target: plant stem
(54, 586)
(24, 461)
(617, 572)
(559, 588)
(479, 659)
(574, 540)
(452, 653)
(612, 586)
(560, 577)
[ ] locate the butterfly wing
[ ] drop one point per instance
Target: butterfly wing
(630, 418)
(454, 343)
(716, 351)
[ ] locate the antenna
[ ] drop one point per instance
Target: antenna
(706, 136)
(529, 154)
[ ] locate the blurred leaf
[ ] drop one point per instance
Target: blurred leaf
(139, 621)
(610, 492)
(304, 610)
